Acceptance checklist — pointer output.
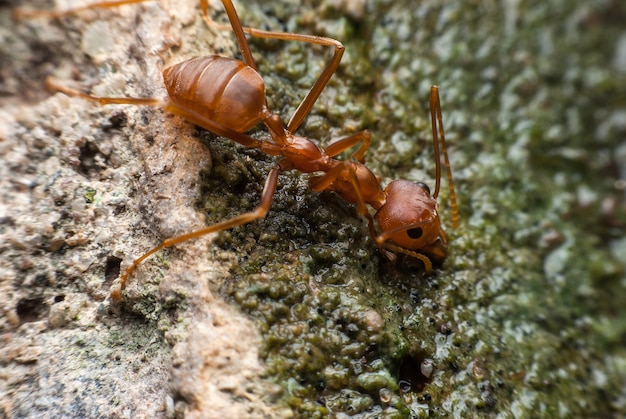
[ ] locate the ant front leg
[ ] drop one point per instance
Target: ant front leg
(350, 141)
(344, 179)
(266, 201)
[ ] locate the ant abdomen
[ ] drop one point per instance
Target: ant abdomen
(223, 90)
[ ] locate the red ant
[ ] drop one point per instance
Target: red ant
(227, 97)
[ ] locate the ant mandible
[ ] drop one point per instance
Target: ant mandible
(227, 97)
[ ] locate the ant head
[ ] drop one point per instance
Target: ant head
(409, 221)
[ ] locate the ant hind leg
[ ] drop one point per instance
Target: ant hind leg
(20, 13)
(259, 212)
(53, 86)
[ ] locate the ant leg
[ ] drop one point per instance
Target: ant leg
(309, 100)
(204, 9)
(439, 137)
(20, 13)
(55, 87)
(237, 29)
(324, 181)
(307, 103)
(362, 137)
(243, 139)
(345, 170)
(360, 201)
(259, 212)
(267, 147)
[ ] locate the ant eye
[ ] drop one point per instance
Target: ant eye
(423, 186)
(415, 233)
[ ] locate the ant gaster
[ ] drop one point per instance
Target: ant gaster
(227, 97)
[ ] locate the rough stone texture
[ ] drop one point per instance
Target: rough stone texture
(85, 187)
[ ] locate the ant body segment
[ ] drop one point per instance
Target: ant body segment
(227, 97)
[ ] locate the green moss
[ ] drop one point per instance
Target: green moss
(526, 316)
(321, 310)
(89, 195)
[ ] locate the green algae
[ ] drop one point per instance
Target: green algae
(526, 316)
